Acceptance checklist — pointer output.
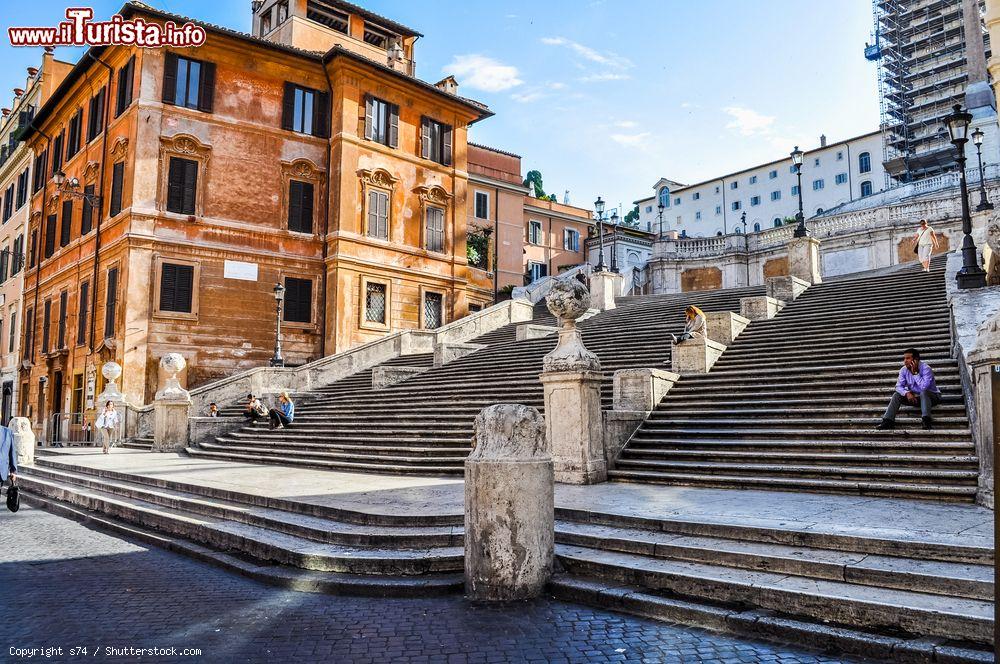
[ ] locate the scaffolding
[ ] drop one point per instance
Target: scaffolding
(921, 50)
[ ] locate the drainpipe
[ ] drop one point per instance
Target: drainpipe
(496, 245)
(38, 250)
(102, 197)
(326, 223)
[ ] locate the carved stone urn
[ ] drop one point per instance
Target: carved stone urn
(173, 364)
(568, 301)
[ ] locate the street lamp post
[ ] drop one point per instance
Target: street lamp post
(661, 207)
(746, 244)
(984, 203)
(614, 242)
(599, 208)
(971, 275)
(800, 230)
(279, 300)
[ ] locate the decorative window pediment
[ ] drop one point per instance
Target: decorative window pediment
(91, 171)
(301, 169)
(120, 148)
(378, 177)
(433, 194)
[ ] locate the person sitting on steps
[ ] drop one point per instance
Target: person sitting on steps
(915, 387)
(695, 325)
(283, 415)
(255, 409)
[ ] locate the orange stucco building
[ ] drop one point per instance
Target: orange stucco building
(196, 179)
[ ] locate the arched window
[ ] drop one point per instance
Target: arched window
(777, 221)
(633, 258)
(718, 233)
(664, 197)
(819, 210)
(866, 188)
(756, 228)
(865, 162)
(738, 230)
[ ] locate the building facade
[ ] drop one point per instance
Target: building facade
(832, 174)
(15, 186)
(194, 181)
(929, 53)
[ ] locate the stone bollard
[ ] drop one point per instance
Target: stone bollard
(786, 289)
(571, 378)
(509, 506)
(695, 356)
(24, 441)
(803, 259)
(604, 288)
(171, 409)
(760, 307)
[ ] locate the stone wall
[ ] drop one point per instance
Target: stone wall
(776, 267)
(701, 278)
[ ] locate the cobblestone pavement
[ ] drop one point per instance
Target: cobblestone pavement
(63, 585)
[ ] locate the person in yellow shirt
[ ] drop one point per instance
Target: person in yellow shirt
(695, 325)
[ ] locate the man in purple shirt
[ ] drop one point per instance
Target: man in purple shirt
(915, 387)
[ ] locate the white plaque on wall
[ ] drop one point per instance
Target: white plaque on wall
(240, 270)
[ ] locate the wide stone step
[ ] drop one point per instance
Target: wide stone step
(863, 350)
(773, 333)
(943, 413)
(691, 387)
(927, 576)
(920, 475)
(375, 466)
(793, 446)
(301, 525)
(942, 491)
(363, 447)
(796, 458)
(259, 543)
(944, 425)
(844, 603)
(331, 455)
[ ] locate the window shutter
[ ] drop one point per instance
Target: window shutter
(425, 138)
(111, 301)
(446, 150)
(321, 114)
(206, 87)
(185, 288)
(298, 300)
(168, 287)
(306, 221)
(50, 235)
(81, 314)
(87, 220)
(190, 186)
(393, 126)
(369, 118)
(170, 78)
(294, 205)
(288, 107)
(67, 223)
(372, 229)
(175, 186)
(117, 177)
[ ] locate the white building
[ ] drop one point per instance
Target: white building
(832, 174)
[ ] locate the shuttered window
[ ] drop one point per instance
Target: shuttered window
(117, 184)
(95, 115)
(435, 141)
(182, 185)
(50, 235)
(87, 219)
(38, 180)
(63, 305)
(305, 110)
(58, 146)
(22, 189)
(83, 313)
(47, 326)
(111, 303)
(66, 227)
(17, 259)
(176, 287)
(378, 214)
(434, 232)
(29, 328)
(300, 206)
(298, 300)
(4, 263)
(33, 249)
(381, 121)
(75, 133)
(189, 83)
(8, 203)
(125, 76)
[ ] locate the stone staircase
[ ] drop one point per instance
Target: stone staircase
(424, 424)
(793, 403)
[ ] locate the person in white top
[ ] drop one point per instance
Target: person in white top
(108, 422)
(926, 243)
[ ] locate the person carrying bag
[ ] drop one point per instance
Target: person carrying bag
(8, 468)
(107, 423)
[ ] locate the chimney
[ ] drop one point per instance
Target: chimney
(449, 85)
(822, 140)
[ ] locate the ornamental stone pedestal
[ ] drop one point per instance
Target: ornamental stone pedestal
(571, 378)
(171, 408)
(803, 259)
(509, 506)
(604, 287)
(24, 441)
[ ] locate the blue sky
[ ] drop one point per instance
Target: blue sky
(606, 96)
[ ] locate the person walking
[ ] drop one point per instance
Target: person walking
(107, 423)
(8, 457)
(915, 387)
(283, 415)
(925, 243)
(695, 325)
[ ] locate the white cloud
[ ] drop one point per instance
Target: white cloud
(482, 73)
(626, 124)
(556, 85)
(630, 140)
(606, 59)
(527, 96)
(748, 122)
(603, 77)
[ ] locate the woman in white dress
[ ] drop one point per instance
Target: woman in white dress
(107, 423)
(926, 243)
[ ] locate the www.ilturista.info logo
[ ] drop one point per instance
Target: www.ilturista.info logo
(79, 30)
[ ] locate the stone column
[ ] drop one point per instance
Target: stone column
(571, 378)
(803, 259)
(509, 506)
(171, 408)
(24, 441)
(604, 288)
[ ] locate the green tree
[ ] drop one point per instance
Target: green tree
(535, 178)
(632, 218)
